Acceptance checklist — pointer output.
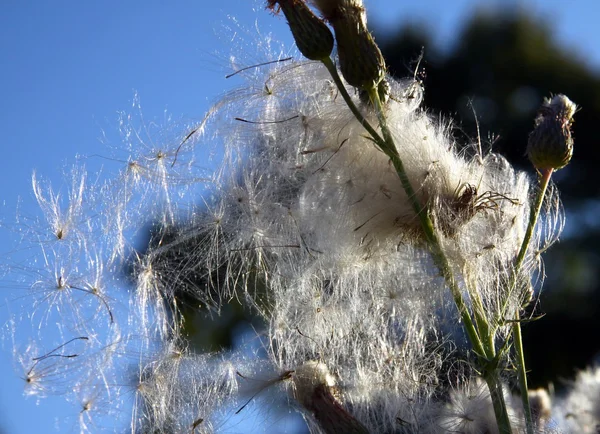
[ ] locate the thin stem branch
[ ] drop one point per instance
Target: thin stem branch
(483, 325)
(357, 114)
(498, 402)
(516, 328)
(533, 217)
(518, 343)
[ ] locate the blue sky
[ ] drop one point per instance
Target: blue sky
(70, 66)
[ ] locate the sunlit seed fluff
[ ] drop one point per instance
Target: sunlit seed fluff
(307, 223)
(350, 280)
(310, 225)
(541, 407)
(469, 410)
(579, 410)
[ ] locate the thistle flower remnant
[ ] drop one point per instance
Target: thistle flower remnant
(550, 144)
(386, 261)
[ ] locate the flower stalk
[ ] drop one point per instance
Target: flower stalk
(534, 214)
(483, 345)
(550, 147)
(544, 181)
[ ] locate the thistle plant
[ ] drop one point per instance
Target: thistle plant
(392, 267)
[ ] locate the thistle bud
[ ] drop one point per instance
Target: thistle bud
(361, 61)
(313, 37)
(550, 144)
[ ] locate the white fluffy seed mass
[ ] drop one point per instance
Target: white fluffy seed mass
(306, 223)
(315, 230)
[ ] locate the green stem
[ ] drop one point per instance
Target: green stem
(483, 326)
(518, 343)
(497, 395)
(485, 352)
(437, 253)
(357, 114)
(516, 327)
(533, 217)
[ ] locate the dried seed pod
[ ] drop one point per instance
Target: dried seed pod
(313, 37)
(361, 61)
